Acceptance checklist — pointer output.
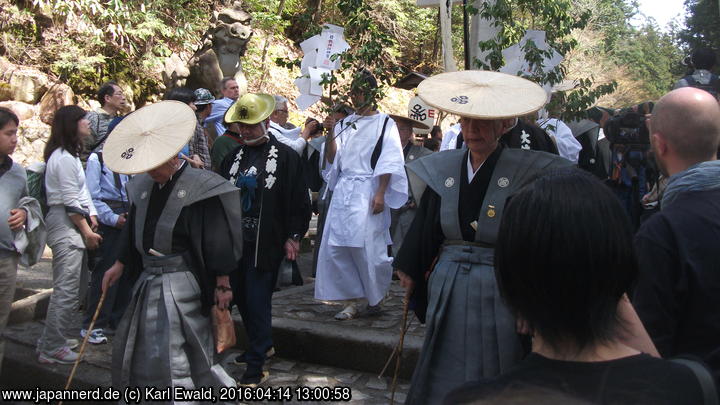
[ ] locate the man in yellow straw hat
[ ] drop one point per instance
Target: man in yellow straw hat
(180, 244)
(470, 333)
(276, 215)
(402, 217)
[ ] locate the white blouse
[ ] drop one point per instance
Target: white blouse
(65, 184)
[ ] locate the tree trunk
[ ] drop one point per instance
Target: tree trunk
(314, 7)
(446, 34)
(281, 6)
(436, 40)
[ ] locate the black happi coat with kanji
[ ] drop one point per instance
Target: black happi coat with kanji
(281, 201)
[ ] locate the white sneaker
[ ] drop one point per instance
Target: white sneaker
(62, 355)
(96, 336)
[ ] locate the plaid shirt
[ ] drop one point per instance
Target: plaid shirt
(199, 146)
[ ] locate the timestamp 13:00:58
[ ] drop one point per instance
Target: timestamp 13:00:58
(285, 393)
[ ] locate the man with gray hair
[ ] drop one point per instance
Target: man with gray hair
(286, 132)
(281, 113)
(230, 92)
(678, 288)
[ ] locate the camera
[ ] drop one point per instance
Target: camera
(319, 125)
(627, 128)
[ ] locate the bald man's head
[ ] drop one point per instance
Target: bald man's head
(689, 120)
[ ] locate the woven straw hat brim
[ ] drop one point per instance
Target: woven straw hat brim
(482, 94)
(414, 123)
(251, 109)
(149, 137)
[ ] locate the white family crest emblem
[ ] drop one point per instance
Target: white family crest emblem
(449, 182)
(503, 182)
(181, 194)
(143, 195)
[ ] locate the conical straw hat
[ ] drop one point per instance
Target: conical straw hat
(149, 137)
(482, 94)
(414, 123)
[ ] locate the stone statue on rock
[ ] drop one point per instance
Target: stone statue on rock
(223, 46)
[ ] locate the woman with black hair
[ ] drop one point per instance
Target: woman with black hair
(71, 225)
(564, 274)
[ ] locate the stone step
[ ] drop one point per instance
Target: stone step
(22, 371)
(305, 330)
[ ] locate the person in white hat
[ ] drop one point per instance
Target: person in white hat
(402, 217)
(276, 216)
(366, 173)
(180, 244)
(470, 333)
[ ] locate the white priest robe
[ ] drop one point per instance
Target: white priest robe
(449, 140)
(353, 261)
(568, 146)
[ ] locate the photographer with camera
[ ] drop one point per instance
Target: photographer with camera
(630, 166)
(286, 132)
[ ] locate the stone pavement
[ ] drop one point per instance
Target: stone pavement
(300, 305)
(366, 388)
(313, 348)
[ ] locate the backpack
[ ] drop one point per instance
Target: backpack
(36, 184)
(712, 87)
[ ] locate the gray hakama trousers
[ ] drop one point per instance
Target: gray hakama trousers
(470, 332)
(164, 340)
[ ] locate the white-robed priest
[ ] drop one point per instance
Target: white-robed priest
(365, 170)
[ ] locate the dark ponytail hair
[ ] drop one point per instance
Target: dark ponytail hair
(64, 131)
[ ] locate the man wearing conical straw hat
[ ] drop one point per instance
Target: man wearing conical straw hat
(470, 333)
(180, 243)
(276, 215)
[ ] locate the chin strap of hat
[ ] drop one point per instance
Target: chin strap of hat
(262, 139)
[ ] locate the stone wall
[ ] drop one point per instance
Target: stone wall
(34, 97)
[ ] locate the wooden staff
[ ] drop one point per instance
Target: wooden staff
(403, 330)
(84, 342)
(392, 355)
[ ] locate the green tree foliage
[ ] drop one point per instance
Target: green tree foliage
(86, 42)
(610, 18)
(702, 24)
(558, 18)
(372, 48)
(652, 57)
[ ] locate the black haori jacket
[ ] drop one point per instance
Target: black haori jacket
(284, 199)
(205, 209)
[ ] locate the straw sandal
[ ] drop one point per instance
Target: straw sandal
(348, 313)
